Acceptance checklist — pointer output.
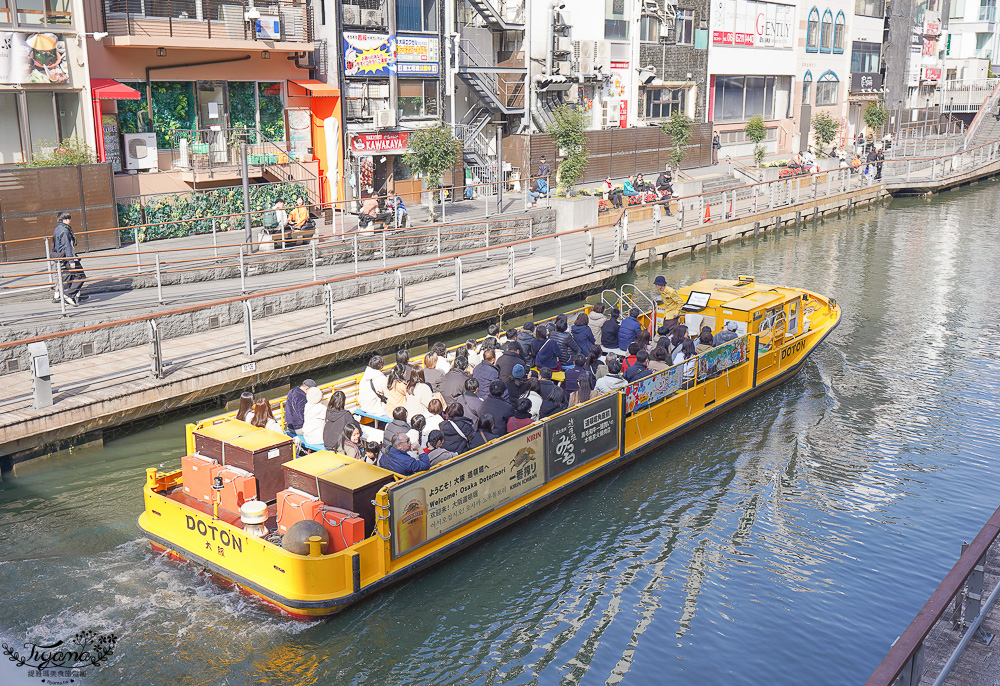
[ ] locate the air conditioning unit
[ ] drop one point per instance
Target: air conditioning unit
(586, 66)
(587, 50)
(609, 113)
(564, 44)
(564, 67)
(352, 15)
(140, 151)
(385, 119)
(371, 17)
(602, 58)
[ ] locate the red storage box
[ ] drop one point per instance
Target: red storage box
(345, 528)
(198, 473)
(238, 486)
(294, 506)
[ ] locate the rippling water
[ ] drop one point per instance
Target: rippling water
(793, 538)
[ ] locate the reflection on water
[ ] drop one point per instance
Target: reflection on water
(803, 527)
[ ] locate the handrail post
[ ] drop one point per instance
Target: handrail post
(312, 249)
(331, 325)
(511, 282)
(59, 287)
(215, 240)
(383, 248)
(155, 350)
(657, 215)
(458, 279)
(558, 259)
(138, 258)
(400, 294)
(589, 256)
(439, 242)
(249, 347)
(159, 281)
(243, 282)
(355, 252)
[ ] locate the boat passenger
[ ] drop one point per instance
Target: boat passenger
(582, 334)
(554, 403)
(453, 383)
(658, 360)
(313, 419)
(595, 361)
(582, 394)
(492, 336)
(418, 432)
(517, 385)
(263, 417)
(639, 370)
(525, 339)
(350, 442)
(436, 452)
(399, 460)
(432, 375)
(577, 372)
(457, 429)
(435, 414)
(595, 320)
(521, 417)
(512, 357)
(485, 433)
(441, 350)
(546, 350)
(295, 405)
(687, 355)
(245, 411)
(672, 301)
(398, 425)
(629, 360)
(372, 450)
(611, 381)
(534, 394)
(705, 340)
(645, 340)
(497, 406)
(727, 334)
(609, 330)
(396, 389)
(470, 399)
(486, 372)
(418, 392)
(603, 369)
(336, 419)
(545, 382)
(629, 329)
(568, 348)
(372, 387)
(403, 361)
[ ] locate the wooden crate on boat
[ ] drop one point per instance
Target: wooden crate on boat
(259, 451)
(339, 481)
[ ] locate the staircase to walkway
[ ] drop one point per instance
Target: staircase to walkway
(715, 186)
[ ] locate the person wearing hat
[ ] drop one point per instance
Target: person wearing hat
(295, 405)
(728, 333)
(517, 385)
(672, 302)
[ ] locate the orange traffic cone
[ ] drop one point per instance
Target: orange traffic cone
(708, 214)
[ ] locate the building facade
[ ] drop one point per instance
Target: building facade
(823, 67)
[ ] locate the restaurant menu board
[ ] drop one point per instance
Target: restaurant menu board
(722, 357)
(112, 145)
(583, 434)
(653, 389)
(443, 499)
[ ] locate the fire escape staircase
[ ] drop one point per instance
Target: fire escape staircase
(497, 20)
(498, 93)
(476, 150)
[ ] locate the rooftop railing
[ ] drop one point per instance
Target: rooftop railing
(280, 20)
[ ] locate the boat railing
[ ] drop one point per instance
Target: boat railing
(631, 293)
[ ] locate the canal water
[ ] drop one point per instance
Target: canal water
(791, 540)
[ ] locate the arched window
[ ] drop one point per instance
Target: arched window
(826, 33)
(812, 31)
(838, 33)
(827, 89)
(807, 83)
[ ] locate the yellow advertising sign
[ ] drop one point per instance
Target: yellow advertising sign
(443, 499)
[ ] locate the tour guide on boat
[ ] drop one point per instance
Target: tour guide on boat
(313, 534)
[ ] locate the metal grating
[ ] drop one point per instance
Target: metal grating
(11, 366)
(213, 322)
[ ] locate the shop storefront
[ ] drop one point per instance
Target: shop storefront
(377, 165)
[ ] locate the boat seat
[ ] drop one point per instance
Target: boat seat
(358, 412)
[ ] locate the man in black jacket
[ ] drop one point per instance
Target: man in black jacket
(497, 406)
(471, 401)
(511, 357)
(453, 383)
(568, 348)
(609, 330)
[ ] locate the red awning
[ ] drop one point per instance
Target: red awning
(316, 89)
(109, 89)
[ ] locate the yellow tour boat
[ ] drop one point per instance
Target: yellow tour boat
(229, 508)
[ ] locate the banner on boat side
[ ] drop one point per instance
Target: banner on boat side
(723, 357)
(443, 499)
(581, 435)
(653, 388)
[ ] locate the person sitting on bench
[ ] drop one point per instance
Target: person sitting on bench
(369, 212)
(299, 220)
(398, 209)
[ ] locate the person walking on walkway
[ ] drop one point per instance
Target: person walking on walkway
(64, 249)
(879, 159)
(716, 146)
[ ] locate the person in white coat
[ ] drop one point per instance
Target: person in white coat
(314, 419)
(372, 388)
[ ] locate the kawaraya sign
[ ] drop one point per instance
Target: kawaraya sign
(441, 500)
(379, 54)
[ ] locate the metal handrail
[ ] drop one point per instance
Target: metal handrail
(988, 104)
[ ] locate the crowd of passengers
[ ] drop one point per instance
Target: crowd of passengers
(435, 408)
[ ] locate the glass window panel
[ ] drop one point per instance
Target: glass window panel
(242, 104)
(430, 15)
(826, 33)
(754, 96)
(31, 12)
(717, 104)
(272, 109)
(59, 11)
(782, 97)
(806, 88)
(10, 133)
(769, 98)
(68, 109)
(408, 15)
(4, 19)
(732, 103)
(41, 121)
(173, 108)
(838, 34)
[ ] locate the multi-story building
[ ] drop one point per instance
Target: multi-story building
(44, 83)
(973, 39)
(824, 64)
(867, 31)
(914, 57)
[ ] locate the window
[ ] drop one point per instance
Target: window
(364, 98)
(987, 10)
(865, 57)
(11, 151)
(869, 8)
(737, 98)
(416, 15)
(957, 10)
(826, 89)
(685, 27)
(826, 33)
(31, 13)
(807, 82)
(664, 102)
(812, 31)
(649, 29)
(615, 20)
(838, 33)
(417, 98)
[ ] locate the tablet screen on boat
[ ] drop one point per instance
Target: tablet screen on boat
(697, 300)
